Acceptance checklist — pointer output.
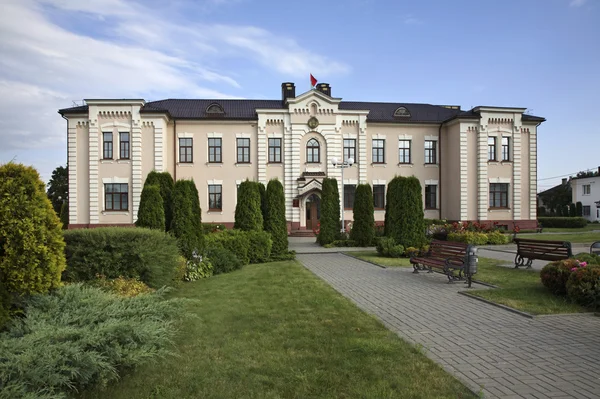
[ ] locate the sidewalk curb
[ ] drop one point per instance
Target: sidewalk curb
(513, 310)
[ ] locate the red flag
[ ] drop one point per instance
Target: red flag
(313, 81)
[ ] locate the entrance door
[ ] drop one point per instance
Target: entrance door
(313, 211)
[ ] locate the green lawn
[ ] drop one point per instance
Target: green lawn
(584, 237)
(520, 289)
(277, 331)
(588, 227)
(372, 256)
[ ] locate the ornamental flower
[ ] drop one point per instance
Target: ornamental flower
(573, 269)
(583, 264)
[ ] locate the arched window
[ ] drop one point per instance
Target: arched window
(402, 112)
(313, 151)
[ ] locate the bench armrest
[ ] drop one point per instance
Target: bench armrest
(455, 259)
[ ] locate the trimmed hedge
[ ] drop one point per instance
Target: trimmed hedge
(475, 238)
(330, 212)
(223, 260)
(363, 225)
(151, 213)
(248, 214)
(260, 246)
(31, 244)
(404, 216)
(237, 241)
(564, 222)
(275, 222)
(150, 255)
(165, 181)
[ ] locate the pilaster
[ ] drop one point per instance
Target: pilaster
(516, 200)
(72, 165)
(362, 149)
(94, 157)
(262, 154)
(482, 174)
(159, 144)
(136, 162)
(463, 176)
(533, 174)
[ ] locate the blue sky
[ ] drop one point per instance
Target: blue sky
(540, 54)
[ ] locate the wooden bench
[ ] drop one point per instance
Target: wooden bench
(539, 228)
(448, 256)
(540, 249)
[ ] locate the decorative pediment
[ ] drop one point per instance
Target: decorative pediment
(314, 184)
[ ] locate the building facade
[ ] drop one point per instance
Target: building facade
(587, 191)
(477, 165)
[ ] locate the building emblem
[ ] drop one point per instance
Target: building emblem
(313, 122)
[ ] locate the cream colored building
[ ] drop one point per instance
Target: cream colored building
(478, 165)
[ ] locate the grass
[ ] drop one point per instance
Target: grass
(372, 256)
(277, 331)
(585, 237)
(588, 227)
(520, 289)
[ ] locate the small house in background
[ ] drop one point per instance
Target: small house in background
(585, 188)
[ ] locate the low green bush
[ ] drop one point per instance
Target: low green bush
(497, 238)
(590, 259)
(289, 255)
(397, 251)
(260, 246)
(384, 245)
(345, 243)
(82, 337)
(583, 286)
(469, 237)
(198, 267)
(149, 255)
(223, 260)
(556, 274)
(208, 228)
(237, 241)
(564, 222)
(122, 286)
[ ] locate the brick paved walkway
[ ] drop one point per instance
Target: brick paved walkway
(488, 348)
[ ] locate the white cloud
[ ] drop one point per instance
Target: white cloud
(44, 65)
(410, 19)
(577, 3)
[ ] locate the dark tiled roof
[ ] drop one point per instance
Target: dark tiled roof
(532, 118)
(246, 110)
(82, 109)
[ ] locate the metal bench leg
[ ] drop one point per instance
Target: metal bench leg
(416, 268)
(519, 261)
(529, 263)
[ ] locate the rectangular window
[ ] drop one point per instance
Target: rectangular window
(116, 197)
(215, 197)
(214, 150)
(430, 151)
(243, 150)
(404, 151)
(587, 210)
(107, 144)
(498, 195)
(349, 190)
(349, 149)
(274, 150)
(506, 148)
(491, 148)
(431, 196)
(587, 189)
(124, 145)
(379, 196)
(378, 151)
(186, 151)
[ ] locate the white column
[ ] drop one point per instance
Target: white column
(516, 200)
(362, 149)
(533, 174)
(262, 155)
(288, 180)
(482, 175)
(293, 154)
(93, 174)
(136, 164)
(72, 164)
(463, 176)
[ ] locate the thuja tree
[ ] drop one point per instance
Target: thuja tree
(64, 215)
(572, 210)
(363, 225)
(579, 207)
(151, 213)
(248, 215)
(165, 181)
(31, 243)
(330, 212)
(275, 222)
(404, 219)
(263, 201)
(183, 223)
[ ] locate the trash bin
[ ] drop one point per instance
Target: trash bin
(471, 263)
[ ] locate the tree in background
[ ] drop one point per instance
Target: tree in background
(406, 221)
(572, 210)
(363, 225)
(330, 212)
(64, 215)
(275, 222)
(151, 213)
(248, 214)
(165, 181)
(579, 207)
(58, 188)
(31, 242)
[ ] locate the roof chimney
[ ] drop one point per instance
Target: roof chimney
(324, 88)
(564, 180)
(288, 90)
